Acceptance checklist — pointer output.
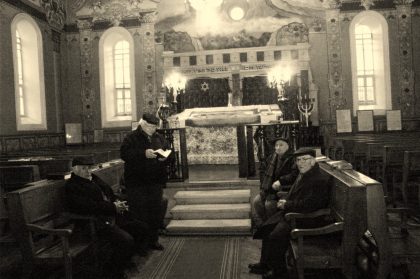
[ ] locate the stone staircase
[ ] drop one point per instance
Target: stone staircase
(211, 212)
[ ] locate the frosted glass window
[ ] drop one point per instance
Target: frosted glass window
(28, 65)
(365, 65)
(122, 78)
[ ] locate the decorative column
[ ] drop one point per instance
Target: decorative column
(337, 99)
(406, 73)
(150, 91)
(88, 95)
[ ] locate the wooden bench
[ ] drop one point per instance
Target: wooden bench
(44, 230)
(357, 205)
(45, 165)
(12, 178)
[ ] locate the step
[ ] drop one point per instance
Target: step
(211, 211)
(212, 197)
(207, 226)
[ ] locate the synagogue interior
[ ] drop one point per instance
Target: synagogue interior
(224, 83)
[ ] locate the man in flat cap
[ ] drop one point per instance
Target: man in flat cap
(87, 194)
(309, 192)
(280, 173)
(145, 174)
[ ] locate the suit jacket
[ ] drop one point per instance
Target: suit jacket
(139, 170)
(310, 193)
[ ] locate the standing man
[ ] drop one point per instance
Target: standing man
(145, 175)
(309, 192)
(280, 172)
(88, 194)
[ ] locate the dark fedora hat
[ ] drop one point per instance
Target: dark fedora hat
(82, 161)
(305, 151)
(273, 140)
(150, 118)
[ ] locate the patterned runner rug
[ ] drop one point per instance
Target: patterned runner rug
(195, 257)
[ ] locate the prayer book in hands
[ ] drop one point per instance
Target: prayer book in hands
(162, 153)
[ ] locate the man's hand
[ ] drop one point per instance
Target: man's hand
(150, 154)
(121, 206)
(280, 204)
(276, 185)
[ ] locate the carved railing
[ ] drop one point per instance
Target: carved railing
(178, 164)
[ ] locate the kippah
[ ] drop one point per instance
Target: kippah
(305, 151)
(273, 140)
(150, 118)
(82, 160)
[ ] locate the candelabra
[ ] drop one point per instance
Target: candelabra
(278, 77)
(175, 83)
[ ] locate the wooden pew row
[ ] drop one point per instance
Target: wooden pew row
(43, 230)
(357, 206)
(409, 182)
(340, 145)
(42, 204)
(12, 178)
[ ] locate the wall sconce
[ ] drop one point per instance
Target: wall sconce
(176, 83)
(278, 77)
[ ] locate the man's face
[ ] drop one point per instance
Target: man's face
(148, 128)
(305, 163)
(281, 147)
(83, 171)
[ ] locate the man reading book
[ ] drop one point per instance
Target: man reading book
(143, 151)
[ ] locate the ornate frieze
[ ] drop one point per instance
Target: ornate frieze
(55, 11)
(87, 94)
(406, 74)
(332, 4)
(335, 79)
(292, 34)
(116, 10)
(367, 4)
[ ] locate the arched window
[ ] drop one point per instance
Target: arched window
(370, 62)
(116, 51)
(29, 74)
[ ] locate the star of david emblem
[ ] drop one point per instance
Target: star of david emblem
(204, 86)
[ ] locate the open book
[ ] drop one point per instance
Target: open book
(162, 153)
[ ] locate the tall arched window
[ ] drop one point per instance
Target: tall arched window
(29, 74)
(370, 62)
(116, 51)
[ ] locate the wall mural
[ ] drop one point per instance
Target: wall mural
(215, 27)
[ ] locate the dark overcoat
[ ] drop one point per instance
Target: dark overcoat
(140, 171)
(310, 193)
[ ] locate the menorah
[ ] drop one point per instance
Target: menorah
(305, 108)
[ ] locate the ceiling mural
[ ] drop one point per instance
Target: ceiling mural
(207, 24)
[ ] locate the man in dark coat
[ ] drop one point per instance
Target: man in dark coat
(280, 173)
(309, 192)
(145, 174)
(88, 194)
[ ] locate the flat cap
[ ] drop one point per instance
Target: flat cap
(150, 118)
(273, 140)
(305, 151)
(82, 160)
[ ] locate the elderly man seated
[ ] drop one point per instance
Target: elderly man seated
(309, 192)
(280, 172)
(88, 194)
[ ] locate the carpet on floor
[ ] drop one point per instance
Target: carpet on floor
(197, 257)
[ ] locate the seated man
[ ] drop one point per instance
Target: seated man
(309, 192)
(88, 194)
(280, 172)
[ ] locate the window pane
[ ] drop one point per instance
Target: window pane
(127, 106)
(370, 94)
(361, 93)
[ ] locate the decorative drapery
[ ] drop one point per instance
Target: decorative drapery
(257, 92)
(204, 92)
